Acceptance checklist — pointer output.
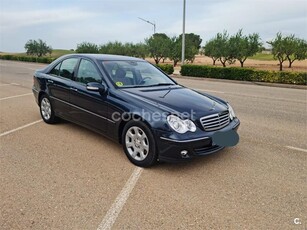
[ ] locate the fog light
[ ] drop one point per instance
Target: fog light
(184, 153)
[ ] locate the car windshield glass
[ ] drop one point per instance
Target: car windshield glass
(135, 74)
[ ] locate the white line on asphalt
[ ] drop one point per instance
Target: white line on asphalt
(19, 128)
(9, 84)
(298, 149)
(207, 90)
(21, 95)
(120, 201)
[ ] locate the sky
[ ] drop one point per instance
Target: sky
(64, 24)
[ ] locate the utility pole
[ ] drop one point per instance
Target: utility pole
(183, 34)
(152, 23)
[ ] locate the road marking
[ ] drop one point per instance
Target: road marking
(9, 84)
(298, 149)
(207, 90)
(21, 95)
(120, 201)
(19, 128)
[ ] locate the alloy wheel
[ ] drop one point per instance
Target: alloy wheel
(137, 143)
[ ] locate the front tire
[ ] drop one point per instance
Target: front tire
(46, 110)
(139, 144)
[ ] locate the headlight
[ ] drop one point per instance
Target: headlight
(179, 125)
(232, 114)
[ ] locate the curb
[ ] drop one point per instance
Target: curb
(279, 85)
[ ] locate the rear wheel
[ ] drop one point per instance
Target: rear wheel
(46, 110)
(139, 144)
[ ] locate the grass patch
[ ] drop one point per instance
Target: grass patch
(262, 57)
(55, 53)
(60, 52)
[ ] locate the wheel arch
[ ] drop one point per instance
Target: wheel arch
(124, 122)
(41, 93)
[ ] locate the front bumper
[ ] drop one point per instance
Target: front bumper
(199, 144)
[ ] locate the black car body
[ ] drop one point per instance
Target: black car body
(145, 109)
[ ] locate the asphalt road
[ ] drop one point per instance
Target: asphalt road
(66, 177)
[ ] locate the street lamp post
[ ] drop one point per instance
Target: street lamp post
(152, 23)
(183, 34)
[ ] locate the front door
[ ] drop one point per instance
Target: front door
(88, 107)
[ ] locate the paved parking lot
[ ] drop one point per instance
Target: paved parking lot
(65, 177)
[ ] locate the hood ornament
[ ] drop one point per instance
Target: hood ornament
(213, 106)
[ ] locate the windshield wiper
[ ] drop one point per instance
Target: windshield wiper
(160, 84)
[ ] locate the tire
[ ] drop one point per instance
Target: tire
(46, 110)
(139, 144)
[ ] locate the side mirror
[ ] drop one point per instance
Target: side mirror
(96, 87)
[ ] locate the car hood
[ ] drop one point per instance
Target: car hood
(178, 99)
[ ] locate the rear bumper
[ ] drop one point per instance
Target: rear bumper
(170, 149)
(35, 93)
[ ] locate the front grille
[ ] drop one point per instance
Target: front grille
(215, 121)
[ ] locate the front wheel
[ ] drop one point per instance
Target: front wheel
(139, 144)
(46, 110)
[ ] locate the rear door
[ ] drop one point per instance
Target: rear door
(88, 107)
(59, 83)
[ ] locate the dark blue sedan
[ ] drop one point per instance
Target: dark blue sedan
(136, 104)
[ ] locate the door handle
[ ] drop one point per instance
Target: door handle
(74, 89)
(50, 81)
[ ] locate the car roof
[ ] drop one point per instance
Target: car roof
(104, 57)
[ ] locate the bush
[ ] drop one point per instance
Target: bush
(27, 58)
(244, 74)
(167, 68)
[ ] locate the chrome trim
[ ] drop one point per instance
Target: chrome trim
(215, 121)
(94, 88)
(184, 141)
(35, 90)
(82, 109)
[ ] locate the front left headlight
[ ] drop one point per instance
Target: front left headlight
(179, 125)
(232, 114)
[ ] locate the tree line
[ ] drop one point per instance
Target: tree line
(228, 49)
(159, 46)
(224, 48)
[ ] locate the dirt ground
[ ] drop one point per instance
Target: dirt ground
(300, 66)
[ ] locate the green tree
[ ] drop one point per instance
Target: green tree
(159, 46)
(37, 48)
(194, 40)
(242, 47)
(224, 48)
(282, 48)
(128, 49)
(87, 47)
(140, 50)
(175, 51)
(295, 49)
(191, 49)
(211, 50)
(192, 46)
(116, 48)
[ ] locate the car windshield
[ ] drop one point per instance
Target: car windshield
(126, 74)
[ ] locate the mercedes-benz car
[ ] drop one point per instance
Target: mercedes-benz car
(135, 104)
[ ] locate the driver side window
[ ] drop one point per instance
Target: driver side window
(87, 73)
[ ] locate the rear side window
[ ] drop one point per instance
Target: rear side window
(67, 68)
